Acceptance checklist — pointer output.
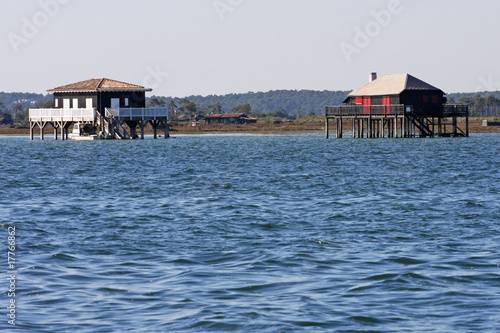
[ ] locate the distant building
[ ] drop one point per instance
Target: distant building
(229, 118)
(398, 105)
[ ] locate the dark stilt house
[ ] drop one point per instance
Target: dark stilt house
(98, 108)
(397, 105)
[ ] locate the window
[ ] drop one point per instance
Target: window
(425, 99)
(126, 101)
(56, 103)
(115, 103)
(358, 100)
(75, 103)
(88, 103)
(435, 99)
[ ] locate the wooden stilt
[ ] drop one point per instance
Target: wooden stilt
(154, 123)
(63, 137)
(454, 125)
(32, 125)
(467, 124)
(42, 125)
(369, 124)
(326, 127)
(67, 125)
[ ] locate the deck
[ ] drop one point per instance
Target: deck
(393, 121)
(51, 115)
(139, 113)
(109, 124)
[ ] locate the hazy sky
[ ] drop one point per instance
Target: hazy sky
(203, 47)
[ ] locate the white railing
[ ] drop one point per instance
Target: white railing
(139, 113)
(62, 114)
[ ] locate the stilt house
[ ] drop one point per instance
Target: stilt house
(99, 108)
(398, 105)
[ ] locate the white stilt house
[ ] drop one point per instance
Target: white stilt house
(99, 108)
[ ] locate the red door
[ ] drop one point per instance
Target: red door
(386, 102)
(367, 102)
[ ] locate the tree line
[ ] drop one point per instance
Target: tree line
(479, 106)
(293, 102)
(286, 104)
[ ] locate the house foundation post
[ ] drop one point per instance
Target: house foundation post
(142, 125)
(467, 124)
(454, 125)
(369, 129)
(32, 125)
(42, 125)
(326, 127)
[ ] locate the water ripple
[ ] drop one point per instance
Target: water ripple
(254, 233)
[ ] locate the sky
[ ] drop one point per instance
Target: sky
(213, 47)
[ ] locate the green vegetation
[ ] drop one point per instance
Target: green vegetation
(293, 102)
(479, 106)
(28, 100)
(18, 115)
(272, 106)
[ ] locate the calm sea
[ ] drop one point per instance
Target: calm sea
(252, 233)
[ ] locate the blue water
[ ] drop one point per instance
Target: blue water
(253, 233)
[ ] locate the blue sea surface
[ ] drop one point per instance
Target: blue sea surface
(253, 233)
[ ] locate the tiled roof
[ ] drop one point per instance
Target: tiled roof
(233, 115)
(226, 115)
(392, 84)
(102, 84)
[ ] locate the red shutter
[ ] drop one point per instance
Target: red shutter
(425, 99)
(435, 99)
(358, 100)
(367, 101)
(386, 102)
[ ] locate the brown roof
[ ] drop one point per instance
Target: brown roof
(102, 84)
(392, 85)
(233, 115)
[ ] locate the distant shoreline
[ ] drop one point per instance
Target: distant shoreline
(314, 128)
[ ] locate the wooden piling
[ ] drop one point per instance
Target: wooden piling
(326, 127)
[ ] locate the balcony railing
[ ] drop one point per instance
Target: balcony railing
(360, 110)
(457, 110)
(448, 110)
(139, 113)
(76, 115)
